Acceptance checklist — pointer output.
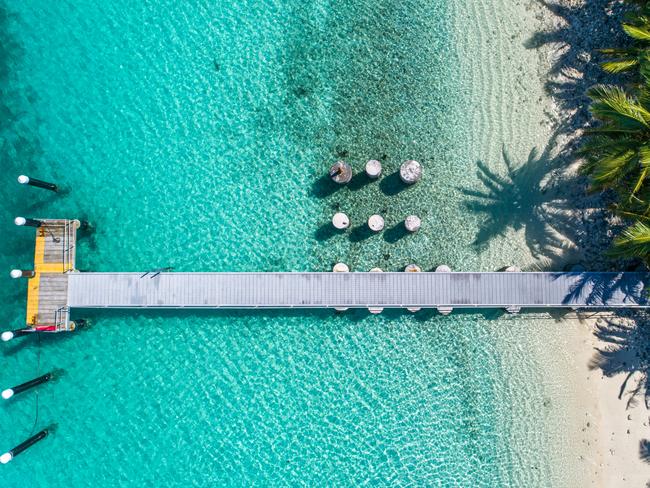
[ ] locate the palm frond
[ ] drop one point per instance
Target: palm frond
(638, 32)
(634, 242)
(619, 65)
(614, 107)
(611, 166)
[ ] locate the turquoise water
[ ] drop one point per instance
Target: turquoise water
(195, 135)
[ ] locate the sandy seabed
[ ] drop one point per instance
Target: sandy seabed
(526, 74)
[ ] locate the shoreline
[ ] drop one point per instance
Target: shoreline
(623, 421)
(612, 420)
(608, 425)
(592, 438)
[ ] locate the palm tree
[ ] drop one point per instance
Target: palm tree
(636, 26)
(634, 242)
(618, 151)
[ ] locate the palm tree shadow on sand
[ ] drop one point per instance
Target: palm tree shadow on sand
(625, 350)
(573, 69)
(528, 197)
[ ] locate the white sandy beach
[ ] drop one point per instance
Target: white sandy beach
(616, 416)
(527, 71)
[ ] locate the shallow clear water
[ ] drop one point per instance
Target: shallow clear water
(195, 135)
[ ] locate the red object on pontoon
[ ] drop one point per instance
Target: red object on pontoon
(45, 328)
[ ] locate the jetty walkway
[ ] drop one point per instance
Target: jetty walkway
(56, 287)
(356, 290)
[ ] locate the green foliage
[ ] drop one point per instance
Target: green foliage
(637, 26)
(617, 149)
(633, 242)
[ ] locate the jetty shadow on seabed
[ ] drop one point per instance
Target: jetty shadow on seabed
(535, 197)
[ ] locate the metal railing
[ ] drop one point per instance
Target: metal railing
(62, 318)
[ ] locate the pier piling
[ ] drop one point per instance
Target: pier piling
(9, 392)
(410, 172)
(340, 221)
(443, 268)
(412, 223)
(373, 168)
(376, 310)
(413, 268)
(26, 180)
(376, 223)
(22, 273)
(513, 308)
(9, 455)
(22, 221)
(7, 335)
(341, 172)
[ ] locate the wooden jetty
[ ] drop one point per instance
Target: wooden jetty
(54, 259)
(358, 290)
(57, 287)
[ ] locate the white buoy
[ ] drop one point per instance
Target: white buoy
(7, 335)
(340, 221)
(376, 223)
(373, 168)
(443, 268)
(376, 310)
(341, 268)
(7, 394)
(410, 172)
(413, 268)
(20, 221)
(6, 457)
(513, 308)
(23, 180)
(412, 223)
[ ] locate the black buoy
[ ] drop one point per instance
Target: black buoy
(20, 221)
(8, 456)
(7, 335)
(26, 180)
(9, 392)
